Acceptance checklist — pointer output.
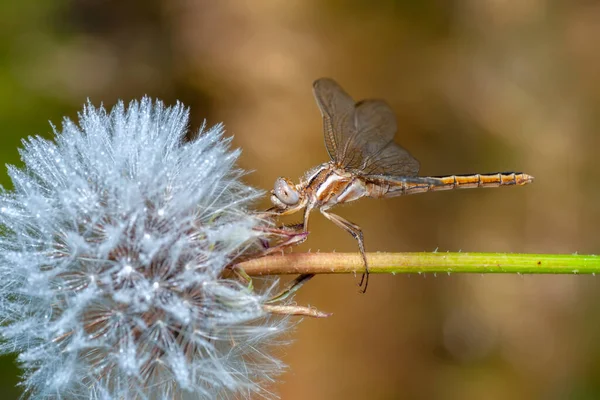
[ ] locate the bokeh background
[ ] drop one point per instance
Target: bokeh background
(477, 85)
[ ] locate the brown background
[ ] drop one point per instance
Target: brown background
(477, 85)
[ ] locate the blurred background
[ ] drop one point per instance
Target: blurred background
(477, 85)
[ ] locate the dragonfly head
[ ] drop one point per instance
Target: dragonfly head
(285, 195)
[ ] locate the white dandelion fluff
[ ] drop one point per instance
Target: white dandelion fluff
(112, 251)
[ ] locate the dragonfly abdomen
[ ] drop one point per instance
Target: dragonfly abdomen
(399, 187)
(479, 181)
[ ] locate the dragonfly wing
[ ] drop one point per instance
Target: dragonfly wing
(392, 160)
(372, 149)
(360, 136)
(337, 109)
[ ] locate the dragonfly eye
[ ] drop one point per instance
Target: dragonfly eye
(286, 192)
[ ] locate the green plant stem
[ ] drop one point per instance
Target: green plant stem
(396, 263)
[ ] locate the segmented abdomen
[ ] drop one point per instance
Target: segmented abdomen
(392, 187)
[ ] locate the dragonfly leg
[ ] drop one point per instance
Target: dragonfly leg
(297, 234)
(285, 237)
(269, 213)
(356, 232)
(303, 278)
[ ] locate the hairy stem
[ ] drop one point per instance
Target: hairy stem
(395, 263)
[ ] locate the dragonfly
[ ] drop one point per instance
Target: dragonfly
(365, 162)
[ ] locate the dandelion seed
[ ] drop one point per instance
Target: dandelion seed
(113, 250)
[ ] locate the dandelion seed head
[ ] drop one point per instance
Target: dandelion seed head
(113, 247)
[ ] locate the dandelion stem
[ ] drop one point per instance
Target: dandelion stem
(396, 263)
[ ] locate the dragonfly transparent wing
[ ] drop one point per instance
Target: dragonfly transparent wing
(360, 136)
(372, 150)
(337, 110)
